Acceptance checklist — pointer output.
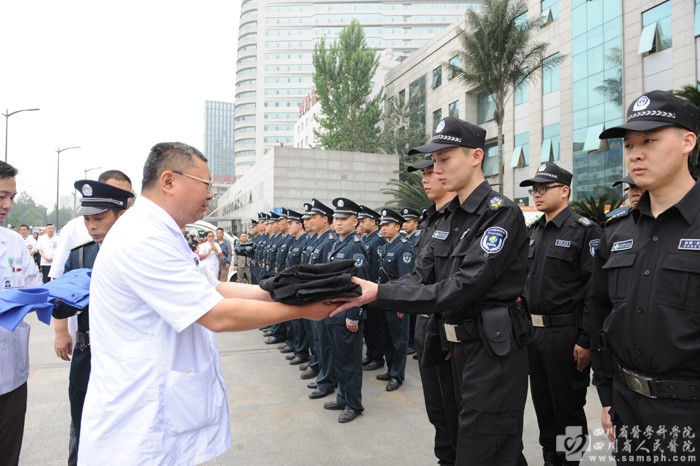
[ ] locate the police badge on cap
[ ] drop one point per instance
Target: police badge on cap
(99, 197)
(452, 132)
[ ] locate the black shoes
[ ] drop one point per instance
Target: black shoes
(309, 373)
(334, 406)
(296, 360)
(289, 357)
(384, 377)
(411, 350)
(348, 415)
(286, 349)
(303, 366)
(312, 385)
(272, 340)
(372, 366)
(393, 385)
(318, 393)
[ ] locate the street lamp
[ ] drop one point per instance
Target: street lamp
(58, 171)
(7, 116)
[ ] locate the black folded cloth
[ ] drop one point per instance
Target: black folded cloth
(301, 284)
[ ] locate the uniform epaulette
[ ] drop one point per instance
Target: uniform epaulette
(532, 222)
(403, 239)
(82, 245)
(331, 237)
(357, 238)
(585, 222)
(617, 214)
(496, 202)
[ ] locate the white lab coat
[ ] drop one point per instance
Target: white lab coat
(156, 393)
(209, 265)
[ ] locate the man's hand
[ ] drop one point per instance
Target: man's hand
(63, 345)
(606, 422)
(399, 315)
(369, 294)
(582, 356)
(318, 311)
(352, 325)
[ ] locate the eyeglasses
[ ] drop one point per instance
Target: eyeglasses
(542, 190)
(201, 180)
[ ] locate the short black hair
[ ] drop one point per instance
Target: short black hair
(165, 156)
(113, 175)
(220, 229)
(50, 224)
(7, 171)
(23, 225)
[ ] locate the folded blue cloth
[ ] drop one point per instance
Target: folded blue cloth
(18, 302)
(73, 288)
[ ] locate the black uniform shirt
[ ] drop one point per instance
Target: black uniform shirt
(373, 241)
(427, 227)
(478, 259)
(645, 291)
(282, 250)
(560, 263)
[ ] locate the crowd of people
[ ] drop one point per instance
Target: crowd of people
(496, 304)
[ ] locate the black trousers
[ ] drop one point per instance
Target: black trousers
(672, 422)
(13, 407)
(45, 273)
(301, 342)
(491, 394)
(440, 402)
(374, 335)
(396, 344)
(346, 347)
(558, 389)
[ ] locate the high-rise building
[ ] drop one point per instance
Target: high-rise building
(219, 141)
(275, 45)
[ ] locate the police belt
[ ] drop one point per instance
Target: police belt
(656, 388)
(554, 320)
(427, 316)
(464, 332)
(83, 340)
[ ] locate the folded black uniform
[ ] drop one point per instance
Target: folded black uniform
(301, 284)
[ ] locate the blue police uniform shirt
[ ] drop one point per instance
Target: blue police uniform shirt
(373, 242)
(296, 250)
(282, 252)
(308, 250)
(323, 247)
(396, 259)
(350, 247)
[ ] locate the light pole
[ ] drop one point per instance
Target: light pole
(85, 170)
(58, 171)
(7, 116)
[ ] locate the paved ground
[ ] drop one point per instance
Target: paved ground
(273, 420)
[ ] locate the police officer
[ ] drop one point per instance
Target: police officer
(101, 205)
(345, 329)
(410, 225)
(560, 263)
(472, 273)
(633, 193)
(375, 327)
(320, 219)
(646, 288)
(395, 260)
(309, 370)
(260, 247)
(436, 376)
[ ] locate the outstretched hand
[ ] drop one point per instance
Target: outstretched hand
(369, 294)
(318, 310)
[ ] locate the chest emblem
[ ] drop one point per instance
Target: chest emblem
(563, 243)
(622, 245)
(441, 235)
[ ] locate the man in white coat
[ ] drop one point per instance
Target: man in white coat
(156, 393)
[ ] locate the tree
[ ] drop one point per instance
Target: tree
(692, 95)
(595, 209)
(343, 78)
(498, 54)
(26, 212)
(408, 193)
(402, 130)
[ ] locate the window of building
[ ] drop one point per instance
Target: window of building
(416, 93)
(593, 142)
(485, 108)
(656, 29)
(454, 62)
(490, 159)
(437, 116)
(521, 151)
(437, 77)
(521, 93)
(550, 11)
(402, 96)
(453, 109)
(550, 75)
(550, 143)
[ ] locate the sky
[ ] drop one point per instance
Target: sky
(114, 78)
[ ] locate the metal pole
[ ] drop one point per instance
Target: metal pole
(7, 116)
(58, 169)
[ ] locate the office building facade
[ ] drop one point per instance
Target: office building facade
(218, 140)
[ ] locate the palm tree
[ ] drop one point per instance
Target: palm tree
(692, 95)
(408, 193)
(498, 54)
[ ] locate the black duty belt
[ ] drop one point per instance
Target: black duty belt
(554, 320)
(464, 332)
(656, 388)
(83, 340)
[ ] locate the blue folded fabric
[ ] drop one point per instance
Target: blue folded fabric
(18, 302)
(73, 288)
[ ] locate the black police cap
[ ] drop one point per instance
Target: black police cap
(549, 172)
(366, 212)
(318, 207)
(389, 216)
(99, 197)
(452, 132)
(427, 162)
(627, 179)
(344, 207)
(654, 110)
(410, 214)
(292, 214)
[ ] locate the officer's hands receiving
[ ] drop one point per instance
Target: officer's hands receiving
(369, 294)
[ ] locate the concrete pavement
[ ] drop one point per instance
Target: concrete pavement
(273, 420)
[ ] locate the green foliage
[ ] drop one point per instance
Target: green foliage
(499, 53)
(611, 88)
(402, 130)
(408, 192)
(692, 95)
(343, 76)
(596, 208)
(26, 212)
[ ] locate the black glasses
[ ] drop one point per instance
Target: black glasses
(201, 180)
(542, 190)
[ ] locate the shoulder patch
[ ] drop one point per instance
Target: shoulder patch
(495, 203)
(620, 212)
(407, 257)
(82, 245)
(493, 240)
(585, 222)
(359, 259)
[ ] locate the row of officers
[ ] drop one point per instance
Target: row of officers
(331, 351)
(501, 303)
